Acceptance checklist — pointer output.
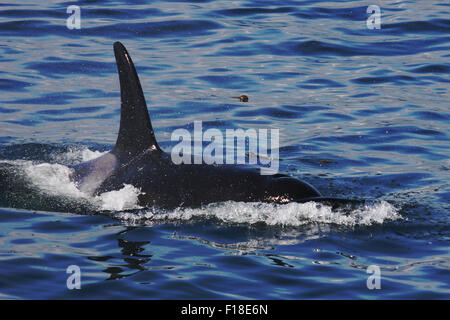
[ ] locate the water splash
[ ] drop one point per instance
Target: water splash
(75, 155)
(118, 200)
(285, 215)
(52, 181)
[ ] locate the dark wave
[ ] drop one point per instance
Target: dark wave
(13, 85)
(432, 68)
(399, 80)
(433, 26)
(171, 28)
(352, 13)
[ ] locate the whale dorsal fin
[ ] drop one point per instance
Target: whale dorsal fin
(136, 132)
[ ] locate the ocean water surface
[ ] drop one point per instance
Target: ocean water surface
(363, 114)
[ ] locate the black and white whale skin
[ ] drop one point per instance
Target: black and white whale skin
(137, 159)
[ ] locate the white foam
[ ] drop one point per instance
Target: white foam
(118, 200)
(291, 214)
(77, 155)
(54, 180)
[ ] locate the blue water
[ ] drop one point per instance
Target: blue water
(362, 114)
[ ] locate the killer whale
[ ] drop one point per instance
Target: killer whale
(138, 160)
